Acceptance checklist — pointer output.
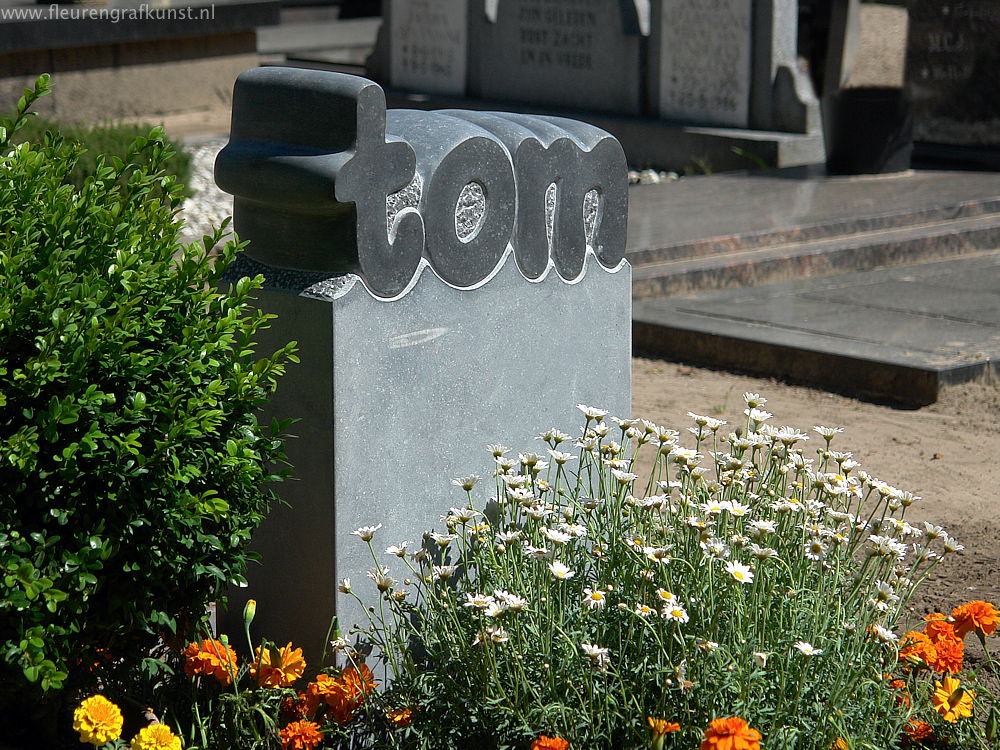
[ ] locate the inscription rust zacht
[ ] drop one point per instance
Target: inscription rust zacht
(314, 156)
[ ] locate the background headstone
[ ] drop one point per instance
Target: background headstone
(428, 45)
(953, 71)
(579, 54)
(701, 67)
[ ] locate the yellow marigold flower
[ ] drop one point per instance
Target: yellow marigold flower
(98, 720)
(212, 658)
(156, 737)
(839, 744)
(300, 735)
(400, 718)
(951, 700)
(283, 672)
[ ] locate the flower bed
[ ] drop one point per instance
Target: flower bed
(742, 595)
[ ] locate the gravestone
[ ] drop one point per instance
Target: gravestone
(580, 54)
(730, 63)
(428, 45)
(703, 64)
(454, 279)
(953, 71)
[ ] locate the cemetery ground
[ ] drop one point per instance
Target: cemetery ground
(946, 453)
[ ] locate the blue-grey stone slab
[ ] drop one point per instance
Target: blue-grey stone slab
(581, 54)
(396, 398)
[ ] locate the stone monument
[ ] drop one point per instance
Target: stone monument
(730, 63)
(584, 54)
(428, 42)
(453, 279)
(953, 72)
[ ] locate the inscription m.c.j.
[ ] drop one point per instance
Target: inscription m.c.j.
(314, 157)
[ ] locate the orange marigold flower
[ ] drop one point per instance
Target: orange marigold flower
(951, 700)
(300, 735)
(549, 743)
(730, 734)
(342, 695)
(400, 718)
(295, 708)
(903, 699)
(359, 681)
(839, 744)
(276, 668)
(948, 655)
(662, 726)
(918, 649)
(918, 730)
(98, 720)
(211, 658)
(980, 616)
(938, 628)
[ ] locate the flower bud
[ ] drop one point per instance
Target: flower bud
(249, 612)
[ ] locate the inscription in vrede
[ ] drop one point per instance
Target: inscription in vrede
(315, 155)
(557, 36)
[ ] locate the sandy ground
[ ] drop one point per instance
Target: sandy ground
(948, 453)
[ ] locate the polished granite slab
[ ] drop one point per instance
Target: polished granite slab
(898, 334)
(732, 212)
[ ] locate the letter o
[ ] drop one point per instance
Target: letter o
(481, 160)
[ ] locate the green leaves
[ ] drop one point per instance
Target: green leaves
(131, 458)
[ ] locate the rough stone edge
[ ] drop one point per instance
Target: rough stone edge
(328, 287)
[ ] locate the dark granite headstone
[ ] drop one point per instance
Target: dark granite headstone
(580, 54)
(953, 71)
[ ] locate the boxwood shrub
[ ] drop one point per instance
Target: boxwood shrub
(133, 470)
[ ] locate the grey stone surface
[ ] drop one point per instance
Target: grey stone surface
(953, 71)
(701, 61)
(391, 247)
(373, 192)
(730, 63)
(428, 45)
(781, 93)
(397, 398)
(899, 334)
(582, 54)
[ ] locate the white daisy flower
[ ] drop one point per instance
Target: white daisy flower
(513, 602)
(560, 571)
(739, 571)
(594, 599)
(754, 400)
(597, 655)
(399, 550)
(497, 450)
(345, 586)
(556, 537)
(807, 649)
(478, 601)
(644, 610)
(591, 413)
(675, 612)
(444, 572)
(466, 483)
(365, 533)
